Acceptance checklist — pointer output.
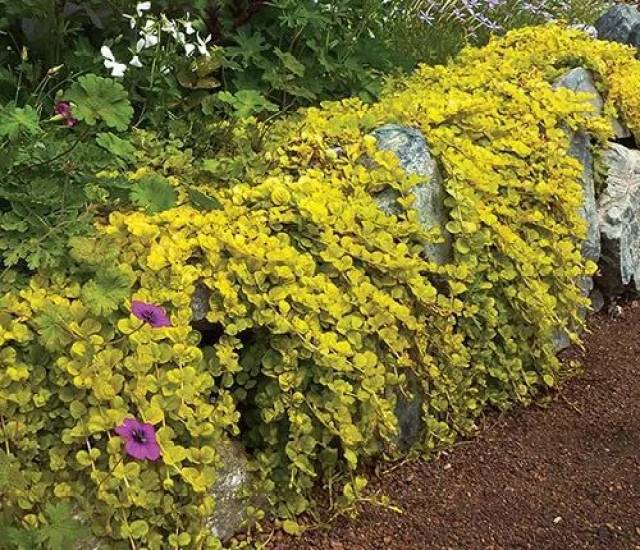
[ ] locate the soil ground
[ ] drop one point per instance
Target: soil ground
(565, 476)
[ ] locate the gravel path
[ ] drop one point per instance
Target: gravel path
(565, 476)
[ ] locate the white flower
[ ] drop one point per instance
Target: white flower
(132, 20)
(135, 61)
(149, 34)
(202, 44)
(140, 45)
(188, 27)
(150, 39)
(169, 25)
(142, 7)
(117, 69)
(189, 49)
(149, 25)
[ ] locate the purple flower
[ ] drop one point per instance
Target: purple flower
(63, 109)
(139, 439)
(154, 316)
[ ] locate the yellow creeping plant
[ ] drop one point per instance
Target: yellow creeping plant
(321, 309)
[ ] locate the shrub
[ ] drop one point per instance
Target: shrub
(321, 305)
(284, 52)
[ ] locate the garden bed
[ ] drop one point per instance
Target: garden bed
(566, 475)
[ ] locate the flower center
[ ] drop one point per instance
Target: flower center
(139, 436)
(149, 317)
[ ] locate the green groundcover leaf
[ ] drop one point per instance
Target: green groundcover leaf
(202, 201)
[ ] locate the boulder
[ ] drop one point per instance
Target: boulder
(581, 150)
(409, 414)
(589, 30)
(621, 23)
(580, 80)
(234, 490)
(619, 221)
(413, 154)
(409, 145)
(597, 300)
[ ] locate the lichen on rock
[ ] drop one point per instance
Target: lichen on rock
(234, 490)
(619, 220)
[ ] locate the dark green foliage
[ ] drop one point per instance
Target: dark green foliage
(282, 53)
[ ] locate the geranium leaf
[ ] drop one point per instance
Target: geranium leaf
(104, 294)
(63, 530)
(247, 102)
(155, 194)
(16, 121)
(97, 99)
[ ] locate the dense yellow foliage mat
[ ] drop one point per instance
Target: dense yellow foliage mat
(326, 304)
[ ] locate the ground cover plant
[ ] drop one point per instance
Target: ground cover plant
(323, 305)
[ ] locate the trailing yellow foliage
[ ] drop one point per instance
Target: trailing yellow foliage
(325, 303)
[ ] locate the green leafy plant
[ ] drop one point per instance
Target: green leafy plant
(61, 171)
(60, 530)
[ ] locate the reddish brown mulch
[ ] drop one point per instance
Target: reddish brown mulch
(562, 477)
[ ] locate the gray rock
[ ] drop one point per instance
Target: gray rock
(581, 80)
(413, 153)
(597, 300)
(619, 23)
(233, 491)
(409, 414)
(200, 303)
(561, 341)
(634, 37)
(619, 220)
(589, 30)
(581, 150)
